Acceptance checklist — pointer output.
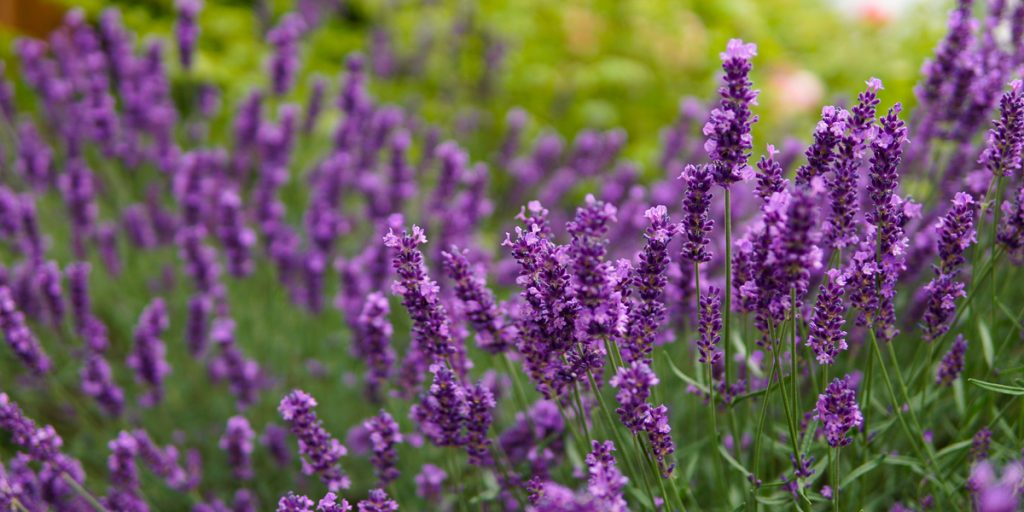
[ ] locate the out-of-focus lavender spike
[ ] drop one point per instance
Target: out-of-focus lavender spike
(78, 293)
(10, 215)
(320, 451)
(480, 414)
(106, 241)
(124, 493)
(675, 137)
(237, 442)
(605, 482)
(48, 282)
(186, 29)
(952, 363)
(275, 438)
(382, 54)
(19, 337)
(1011, 228)
(634, 384)
(384, 435)
(315, 104)
(32, 239)
(149, 355)
(97, 381)
(515, 121)
(284, 63)
(163, 461)
(236, 237)
(453, 162)
(429, 482)
(378, 501)
(442, 411)
(78, 187)
(34, 158)
(244, 376)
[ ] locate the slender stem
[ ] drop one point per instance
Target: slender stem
(835, 478)
(794, 364)
(866, 399)
(84, 493)
(760, 429)
(727, 303)
(517, 386)
(719, 472)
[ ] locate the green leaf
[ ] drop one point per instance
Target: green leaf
(732, 462)
(685, 378)
(998, 388)
(986, 341)
(953, 448)
(861, 470)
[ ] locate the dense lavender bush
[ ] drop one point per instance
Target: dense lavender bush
(840, 330)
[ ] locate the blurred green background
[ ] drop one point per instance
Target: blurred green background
(575, 64)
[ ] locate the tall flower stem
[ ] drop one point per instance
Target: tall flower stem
(760, 429)
(794, 364)
(712, 407)
(727, 303)
(84, 493)
(833, 459)
(517, 386)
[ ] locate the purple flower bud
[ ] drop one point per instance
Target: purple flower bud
(728, 128)
(1005, 141)
(659, 431)
(19, 337)
(420, 294)
(493, 335)
(186, 29)
(429, 483)
(710, 326)
(634, 384)
(149, 355)
(821, 154)
(649, 279)
(319, 450)
(442, 411)
(384, 435)
(952, 363)
(378, 501)
(696, 225)
(97, 381)
(826, 335)
(838, 412)
(605, 482)
(237, 443)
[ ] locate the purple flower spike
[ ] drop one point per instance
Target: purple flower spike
(649, 279)
(728, 128)
(956, 233)
(827, 337)
(294, 503)
(235, 236)
(97, 381)
(660, 433)
(331, 503)
(186, 29)
(48, 281)
(149, 355)
(1011, 230)
(770, 178)
(606, 481)
(480, 408)
(320, 452)
(124, 491)
(237, 442)
(378, 501)
(429, 482)
(493, 335)
(600, 305)
(285, 60)
(443, 409)
(952, 363)
(634, 384)
(420, 294)
(696, 225)
(373, 342)
(992, 494)
(1005, 141)
(838, 412)
(384, 435)
(19, 337)
(821, 154)
(710, 326)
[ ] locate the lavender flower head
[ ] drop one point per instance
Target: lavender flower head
(443, 409)
(19, 337)
(600, 312)
(149, 355)
(952, 363)
(659, 431)
(237, 441)
(956, 233)
(696, 224)
(373, 342)
(420, 293)
(838, 412)
(649, 279)
(1005, 141)
(493, 335)
(186, 29)
(480, 414)
(378, 501)
(634, 384)
(606, 482)
(429, 482)
(320, 452)
(729, 141)
(709, 326)
(384, 435)
(826, 335)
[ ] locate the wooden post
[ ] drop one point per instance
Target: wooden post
(31, 17)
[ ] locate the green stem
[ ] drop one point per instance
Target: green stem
(760, 430)
(727, 303)
(794, 364)
(84, 493)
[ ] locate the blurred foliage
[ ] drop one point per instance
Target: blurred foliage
(576, 64)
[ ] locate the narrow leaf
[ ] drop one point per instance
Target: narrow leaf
(998, 388)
